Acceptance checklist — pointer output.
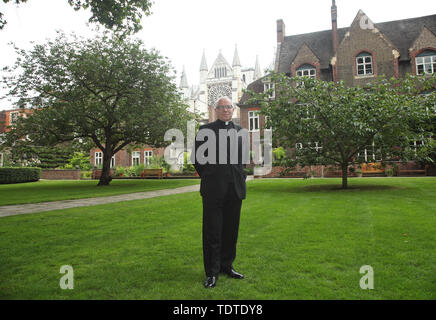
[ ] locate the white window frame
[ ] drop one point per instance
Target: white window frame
(415, 144)
(306, 70)
(253, 121)
(113, 161)
(147, 156)
(136, 155)
(1, 159)
(316, 147)
(98, 158)
(268, 86)
(366, 65)
(13, 117)
(427, 60)
(370, 152)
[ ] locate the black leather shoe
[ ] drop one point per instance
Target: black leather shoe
(210, 282)
(233, 274)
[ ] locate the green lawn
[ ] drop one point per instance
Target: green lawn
(299, 239)
(49, 190)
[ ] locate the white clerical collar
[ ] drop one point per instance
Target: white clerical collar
(227, 123)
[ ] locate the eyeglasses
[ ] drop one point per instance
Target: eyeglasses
(229, 107)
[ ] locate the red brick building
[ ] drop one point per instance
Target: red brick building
(126, 157)
(356, 54)
(9, 117)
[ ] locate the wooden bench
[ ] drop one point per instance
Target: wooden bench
(414, 171)
(152, 173)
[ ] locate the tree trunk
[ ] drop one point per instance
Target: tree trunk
(344, 176)
(105, 177)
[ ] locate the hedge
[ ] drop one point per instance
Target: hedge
(17, 175)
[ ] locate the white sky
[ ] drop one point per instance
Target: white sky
(181, 29)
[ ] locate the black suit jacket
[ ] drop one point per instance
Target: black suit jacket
(213, 185)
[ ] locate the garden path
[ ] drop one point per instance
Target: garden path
(12, 210)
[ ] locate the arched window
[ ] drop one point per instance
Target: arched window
(306, 70)
(364, 64)
(426, 62)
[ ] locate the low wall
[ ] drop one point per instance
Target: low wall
(71, 174)
(317, 171)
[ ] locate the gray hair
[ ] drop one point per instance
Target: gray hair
(223, 97)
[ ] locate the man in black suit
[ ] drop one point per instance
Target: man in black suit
(223, 189)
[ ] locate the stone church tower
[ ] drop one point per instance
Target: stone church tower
(221, 79)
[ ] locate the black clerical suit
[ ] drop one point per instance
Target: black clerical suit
(222, 188)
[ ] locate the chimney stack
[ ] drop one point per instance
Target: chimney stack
(335, 36)
(280, 31)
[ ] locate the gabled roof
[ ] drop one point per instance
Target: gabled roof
(256, 86)
(219, 61)
(402, 33)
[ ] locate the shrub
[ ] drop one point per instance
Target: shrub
(279, 155)
(138, 169)
(85, 174)
(187, 167)
(79, 159)
(17, 175)
(157, 162)
(120, 171)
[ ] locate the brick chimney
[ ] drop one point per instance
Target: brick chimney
(335, 36)
(280, 31)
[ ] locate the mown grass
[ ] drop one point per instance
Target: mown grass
(299, 239)
(51, 190)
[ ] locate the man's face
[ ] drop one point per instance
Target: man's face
(224, 109)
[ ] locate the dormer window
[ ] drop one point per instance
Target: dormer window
(364, 64)
(220, 72)
(426, 62)
(269, 88)
(306, 70)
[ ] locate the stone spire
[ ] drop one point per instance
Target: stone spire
(257, 70)
(184, 79)
(236, 62)
(203, 65)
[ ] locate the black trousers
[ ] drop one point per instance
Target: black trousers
(220, 231)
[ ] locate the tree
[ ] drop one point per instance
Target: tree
(111, 91)
(113, 14)
(330, 123)
(23, 153)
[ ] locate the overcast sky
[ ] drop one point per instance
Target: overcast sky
(181, 29)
